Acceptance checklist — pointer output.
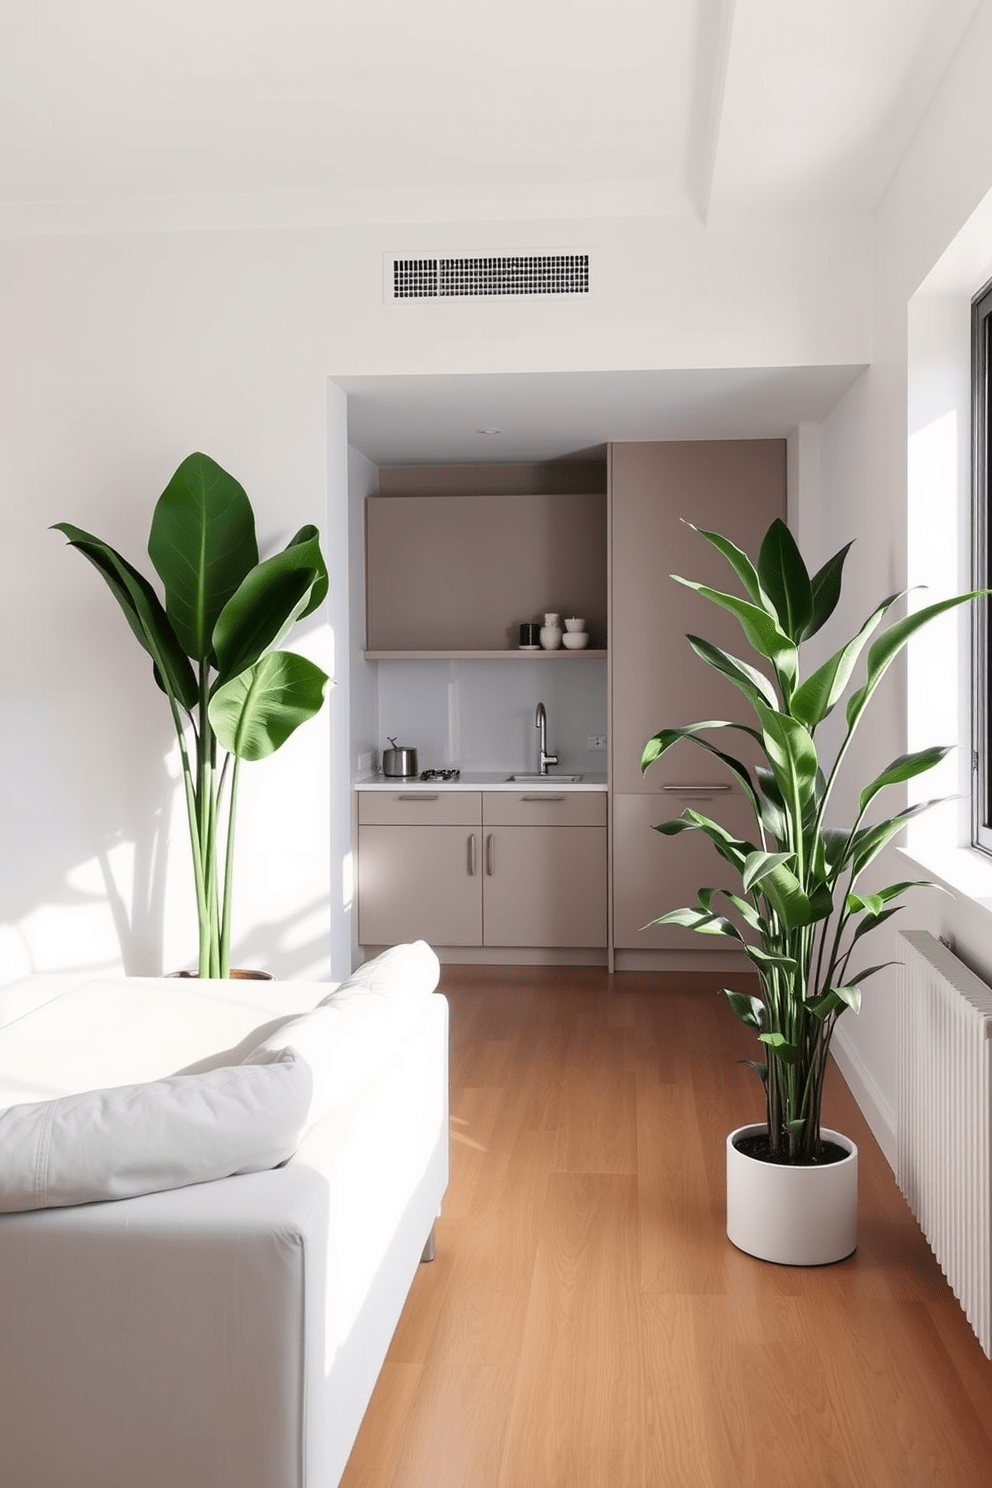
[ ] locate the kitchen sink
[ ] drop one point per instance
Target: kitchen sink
(544, 779)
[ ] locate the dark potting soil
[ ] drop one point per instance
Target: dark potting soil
(756, 1146)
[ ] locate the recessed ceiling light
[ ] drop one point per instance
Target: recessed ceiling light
(489, 431)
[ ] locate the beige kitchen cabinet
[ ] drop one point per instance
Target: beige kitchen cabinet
(653, 874)
(734, 487)
(500, 869)
(545, 869)
(419, 867)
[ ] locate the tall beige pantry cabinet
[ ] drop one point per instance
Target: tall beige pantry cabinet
(736, 487)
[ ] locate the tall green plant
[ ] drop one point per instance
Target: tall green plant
(798, 894)
(231, 693)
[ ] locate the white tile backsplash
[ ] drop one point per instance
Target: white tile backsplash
(479, 715)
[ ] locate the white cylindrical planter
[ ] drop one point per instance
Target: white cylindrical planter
(796, 1216)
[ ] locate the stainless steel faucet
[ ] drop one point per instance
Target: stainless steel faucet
(541, 722)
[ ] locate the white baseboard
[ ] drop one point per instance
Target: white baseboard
(874, 1107)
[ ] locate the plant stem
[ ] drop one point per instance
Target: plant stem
(225, 923)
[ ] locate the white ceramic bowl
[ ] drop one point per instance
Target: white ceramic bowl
(575, 640)
(575, 624)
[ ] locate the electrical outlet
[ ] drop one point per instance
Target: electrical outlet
(596, 741)
(364, 763)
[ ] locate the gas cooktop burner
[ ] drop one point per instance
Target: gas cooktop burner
(440, 774)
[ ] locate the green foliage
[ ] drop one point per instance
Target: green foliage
(213, 645)
(796, 913)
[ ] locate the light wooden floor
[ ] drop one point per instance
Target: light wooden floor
(587, 1323)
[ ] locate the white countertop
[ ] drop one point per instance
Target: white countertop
(474, 780)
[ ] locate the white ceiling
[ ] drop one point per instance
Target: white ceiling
(545, 416)
(440, 110)
(132, 114)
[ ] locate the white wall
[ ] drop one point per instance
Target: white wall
(120, 355)
(894, 477)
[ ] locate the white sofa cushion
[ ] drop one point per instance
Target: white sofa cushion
(346, 1037)
(410, 970)
(138, 1139)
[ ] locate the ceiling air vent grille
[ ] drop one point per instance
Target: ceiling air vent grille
(535, 274)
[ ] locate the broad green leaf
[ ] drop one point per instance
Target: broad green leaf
(761, 629)
(869, 842)
(826, 589)
(856, 902)
(873, 903)
(783, 890)
(699, 921)
(674, 828)
(821, 903)
(811, 807)
(884, 651)
(747, 912)
(143, 612)
(255, 713)
(761, 1070)
(771, 807)
(824, 1005)
(739, 562)
(732, 763)
(820, 693)
(785, 579)
(903, 768)
(733, 849)
(781, 1048)
(872, 920)
(202, 543)
(835, 844)
(751, 682)
(760, 864)
(863, 976)
(319, 592)
(769, 785)
(750, 1010)
(265, 607)
(663, 740)
(834, 1000)
(792, 756)
(769, 960)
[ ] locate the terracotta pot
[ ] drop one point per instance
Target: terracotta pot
(795, 1216)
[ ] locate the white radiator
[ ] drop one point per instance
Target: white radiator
(943, 1151)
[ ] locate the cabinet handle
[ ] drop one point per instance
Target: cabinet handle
(542, 797)
(697, 790)
(490, 854)
(471, 855)
(418, 797)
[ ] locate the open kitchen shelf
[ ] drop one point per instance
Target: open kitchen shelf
(456, 575)
(504, 655)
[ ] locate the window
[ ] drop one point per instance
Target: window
(981, 365)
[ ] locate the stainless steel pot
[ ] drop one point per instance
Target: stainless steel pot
(399, 760)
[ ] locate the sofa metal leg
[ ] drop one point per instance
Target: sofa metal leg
(428, 1254)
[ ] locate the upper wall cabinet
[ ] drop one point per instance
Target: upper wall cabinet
(458, 573)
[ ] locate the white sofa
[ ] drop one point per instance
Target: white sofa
(223, 1334)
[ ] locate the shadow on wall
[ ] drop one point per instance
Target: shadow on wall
(298, 943)
(94, 847)
(82, 871)
(85, 860)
